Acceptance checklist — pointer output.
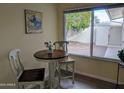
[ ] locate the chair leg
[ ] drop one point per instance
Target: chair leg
(73, 73)
(66, 67)
(17, 85)
(42, 85)
(22, 86)
(59, 74)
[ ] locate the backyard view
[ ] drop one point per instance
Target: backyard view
(78, 29)
(107, 32)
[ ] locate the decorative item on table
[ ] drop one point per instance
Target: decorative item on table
(49, 46)
(121, 54)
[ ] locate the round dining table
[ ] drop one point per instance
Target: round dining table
(52, 59)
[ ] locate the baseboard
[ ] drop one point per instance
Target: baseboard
(97, 77)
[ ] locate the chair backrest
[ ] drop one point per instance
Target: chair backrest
(61, 45)
(15, 63)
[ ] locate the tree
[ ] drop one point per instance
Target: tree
(77, 21)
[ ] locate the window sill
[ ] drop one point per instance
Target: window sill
(97, 58)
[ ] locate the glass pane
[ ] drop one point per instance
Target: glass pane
(77, 31)
(108, 33)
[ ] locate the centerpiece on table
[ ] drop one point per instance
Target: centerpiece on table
(49, 45)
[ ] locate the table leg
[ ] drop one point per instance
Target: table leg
(51, 74)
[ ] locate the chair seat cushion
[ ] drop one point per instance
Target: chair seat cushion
(32, 75)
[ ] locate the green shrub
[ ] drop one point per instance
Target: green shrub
(121, 54)
(78, 21)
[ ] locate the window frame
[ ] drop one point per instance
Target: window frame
(92, 9)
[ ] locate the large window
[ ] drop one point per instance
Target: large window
(95, 32)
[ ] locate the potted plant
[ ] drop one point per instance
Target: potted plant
(121, 54)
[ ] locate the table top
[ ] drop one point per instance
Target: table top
(44, 54)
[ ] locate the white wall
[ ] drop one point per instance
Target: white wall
(12, 35)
